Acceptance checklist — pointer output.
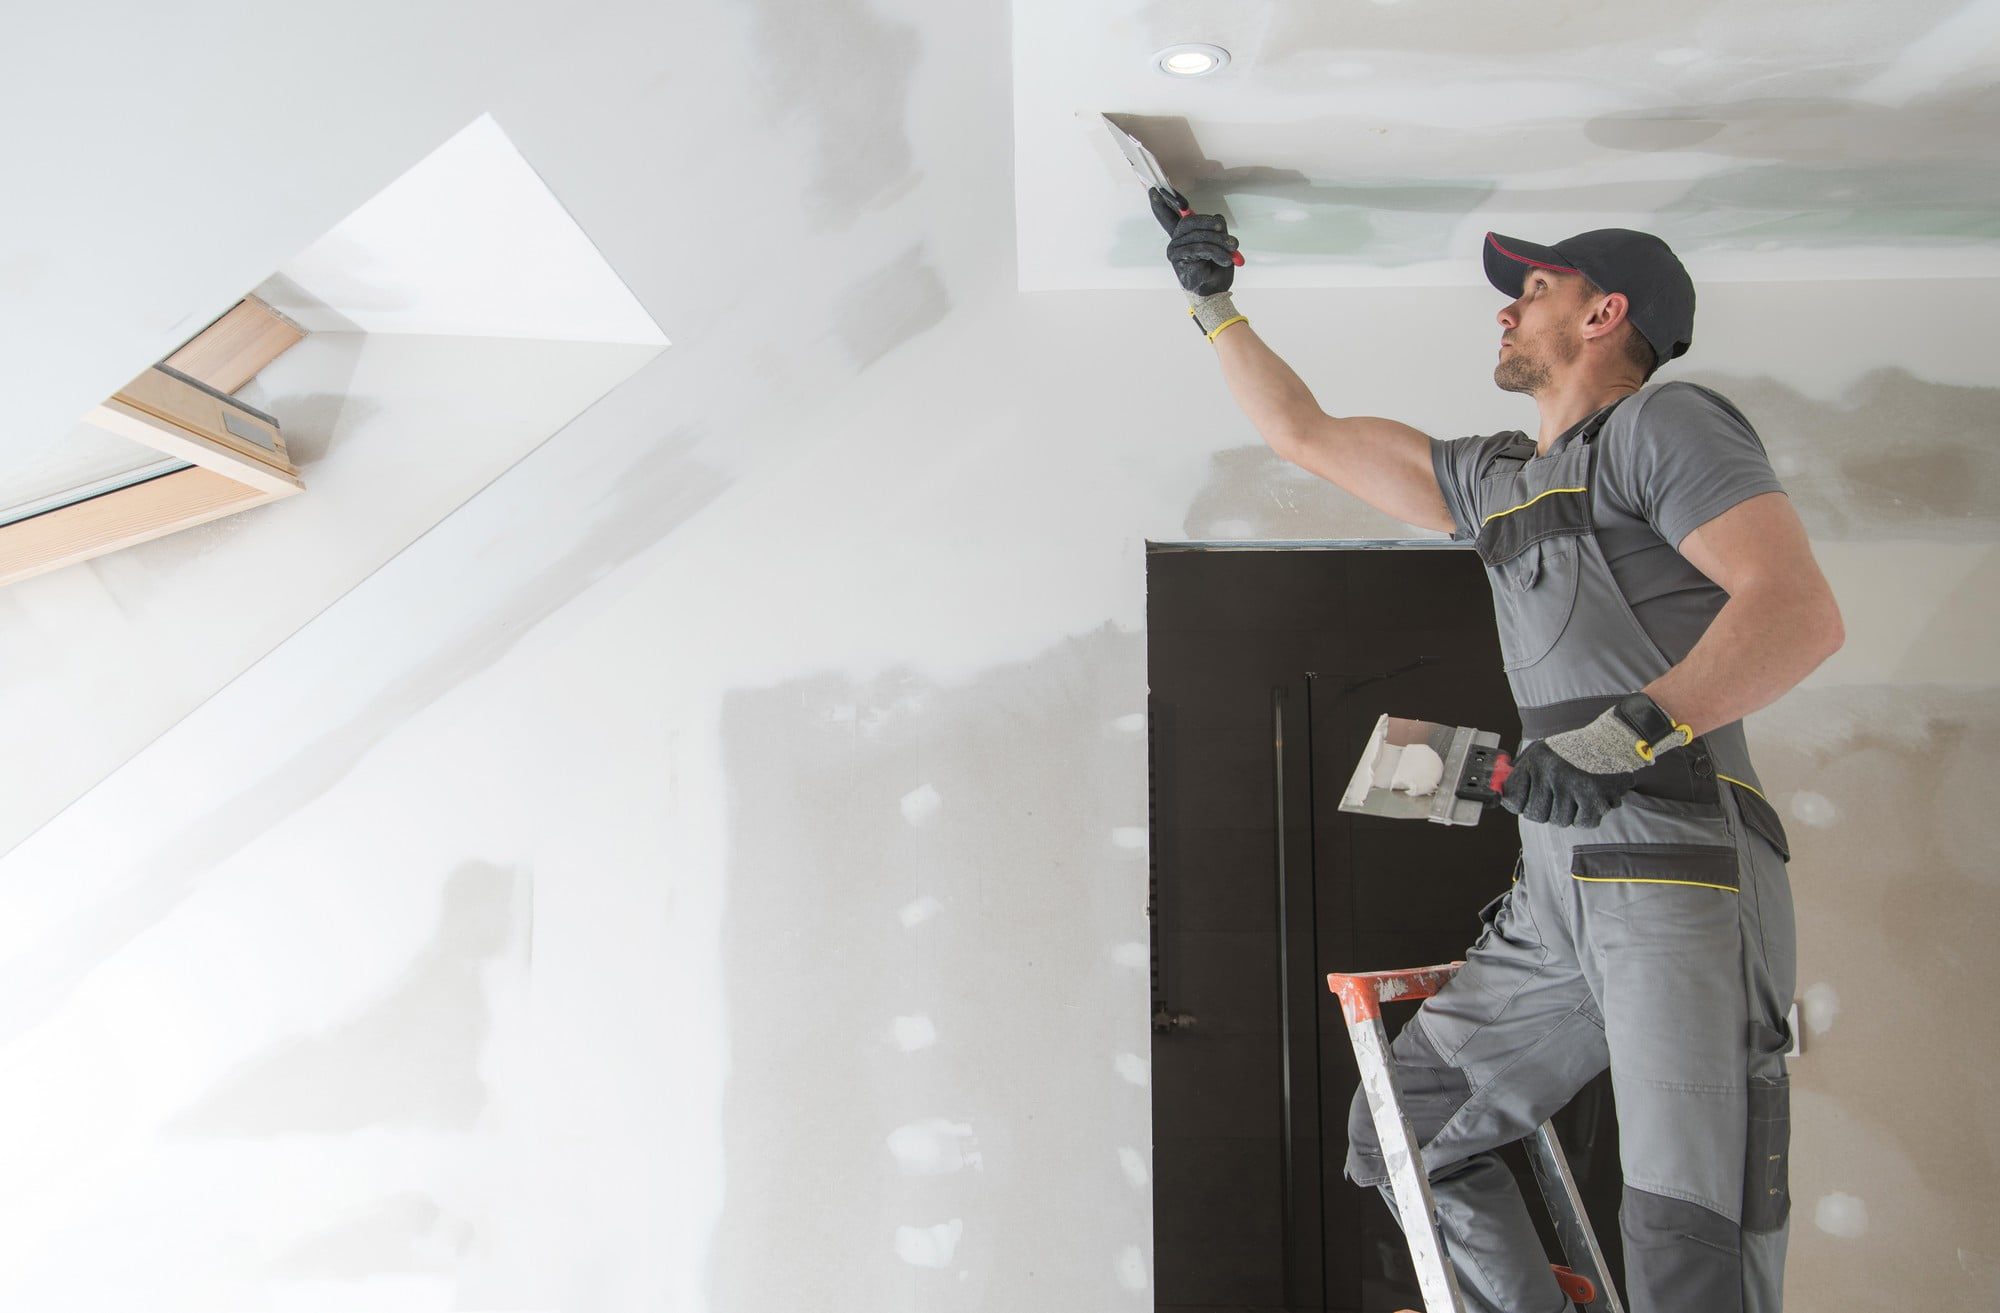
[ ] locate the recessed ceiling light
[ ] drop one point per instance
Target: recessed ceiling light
(1190, 60)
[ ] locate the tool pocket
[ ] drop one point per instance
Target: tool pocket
(1698, 865)
(1767, 1191)
(1762, 819)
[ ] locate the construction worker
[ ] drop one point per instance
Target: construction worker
(1653, 586)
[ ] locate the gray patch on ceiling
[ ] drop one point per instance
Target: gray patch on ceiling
(898, 846)
(891, 306)
(643, 501)
(411, 1059)
(845, 71)
(1377, 220)
(1253, 494)
(1892, 457)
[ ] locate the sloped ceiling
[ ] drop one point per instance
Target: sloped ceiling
(1374, 142)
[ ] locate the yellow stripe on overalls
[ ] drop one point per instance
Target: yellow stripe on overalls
(1530, 502)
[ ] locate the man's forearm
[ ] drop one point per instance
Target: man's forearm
(1759, 646)
(1274, 398)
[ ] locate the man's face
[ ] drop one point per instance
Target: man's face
(1538, 331)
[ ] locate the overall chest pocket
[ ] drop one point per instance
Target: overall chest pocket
(1532, 552)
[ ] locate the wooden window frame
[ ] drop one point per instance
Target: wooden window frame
(236, 455)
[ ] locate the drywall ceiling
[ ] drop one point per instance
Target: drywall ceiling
(1375, 142)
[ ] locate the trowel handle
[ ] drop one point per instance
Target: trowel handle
(1485, 773)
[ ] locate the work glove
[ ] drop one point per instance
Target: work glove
(1199, 247)
(1575, 777)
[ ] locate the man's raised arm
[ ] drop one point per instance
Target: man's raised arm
(1384, 463)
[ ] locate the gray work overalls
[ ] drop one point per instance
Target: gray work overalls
(1660, 942)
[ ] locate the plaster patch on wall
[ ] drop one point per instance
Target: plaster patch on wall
(1133, 1068)
(843, 70)
(1138, 1170)
(1132, 838)
(1133, 723)
(1820, 1004)
(889, 307)
(411, 1059)
(920, 804)
(1254, 494)
(1132, 1269)
(1814, 809)
(929, 1246)
(934, 1147)
(1892, 457)
(918, 910)
(1132, 955)
(913, 1033)
(1841, 1215)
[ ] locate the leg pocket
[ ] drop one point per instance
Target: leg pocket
(1767, 1193)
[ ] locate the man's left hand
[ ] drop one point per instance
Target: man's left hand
(1575, 777)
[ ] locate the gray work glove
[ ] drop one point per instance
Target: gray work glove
(1575, 777)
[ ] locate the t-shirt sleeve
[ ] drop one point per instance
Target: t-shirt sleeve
(1692, 456)
(1459, 463)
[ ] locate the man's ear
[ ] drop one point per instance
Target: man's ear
(1608, 314)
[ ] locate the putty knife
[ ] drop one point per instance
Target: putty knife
(1418, 770)
(1151, 173)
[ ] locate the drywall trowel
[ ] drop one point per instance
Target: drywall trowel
(1417, 770)
(1151, 173)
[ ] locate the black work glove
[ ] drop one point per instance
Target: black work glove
(1200, 247)
(1574, 777)
(1546, 787)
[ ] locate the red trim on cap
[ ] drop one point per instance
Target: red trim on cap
(1559, 268)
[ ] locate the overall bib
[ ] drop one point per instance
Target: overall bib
(1660, 943)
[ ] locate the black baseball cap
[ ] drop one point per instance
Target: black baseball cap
(1640, 265)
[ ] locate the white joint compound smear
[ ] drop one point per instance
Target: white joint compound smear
(1134, 1068)
(1131, 724)
(920, 804)
(1418, 770)
(929, 1246)
(1820, 1004)
(1129, 836)
(919, 911)
(913, 1033)
(1134, 1162)
(1841, 1215)
(1132, 1268)
(1131, 954)
(934, 1147)
(1815, 809)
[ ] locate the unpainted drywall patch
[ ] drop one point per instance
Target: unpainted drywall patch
(1137, 1166)
(889, 307)
(994, 918)
(913, 1032)
(1892, 457)
(1251, 494)
(410, 1060)
(920, 804)
(842, 70)
(1819, 1005)
(1814, 809)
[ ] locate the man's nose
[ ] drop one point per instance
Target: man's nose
(1506, 316)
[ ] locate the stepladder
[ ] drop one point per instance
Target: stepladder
(1583, 1277)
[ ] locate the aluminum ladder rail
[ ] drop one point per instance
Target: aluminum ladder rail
(1361, 996)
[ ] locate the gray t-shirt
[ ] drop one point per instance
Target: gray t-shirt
(1672, 457)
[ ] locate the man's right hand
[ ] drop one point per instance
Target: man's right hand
(1200, 247)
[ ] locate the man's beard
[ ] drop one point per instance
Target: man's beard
(1526, 370)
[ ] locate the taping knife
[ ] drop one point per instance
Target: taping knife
(1151, 173)
(1418, 770)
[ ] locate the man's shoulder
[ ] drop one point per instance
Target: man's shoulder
(1678, 400)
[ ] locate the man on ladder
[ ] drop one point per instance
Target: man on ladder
(1653, 586)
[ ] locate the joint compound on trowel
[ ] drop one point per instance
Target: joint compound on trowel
(1404, 770)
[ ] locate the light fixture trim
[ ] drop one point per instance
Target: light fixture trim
(1191, 59)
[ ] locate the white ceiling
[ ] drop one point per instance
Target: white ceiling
(1368, 143)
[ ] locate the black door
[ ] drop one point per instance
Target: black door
(1267, 670)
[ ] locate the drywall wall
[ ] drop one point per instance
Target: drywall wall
(706, 871)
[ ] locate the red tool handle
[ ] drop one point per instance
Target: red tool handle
(1503, 766)
(1235, 257)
